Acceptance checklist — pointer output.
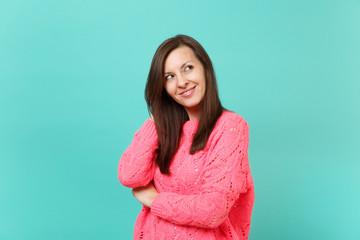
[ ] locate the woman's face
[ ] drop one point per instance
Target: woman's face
(185, 80)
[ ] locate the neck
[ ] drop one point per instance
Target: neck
(194, 114)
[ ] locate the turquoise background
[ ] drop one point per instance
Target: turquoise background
(72, 78)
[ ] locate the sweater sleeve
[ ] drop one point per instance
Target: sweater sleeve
(224, 178)
(137, 164)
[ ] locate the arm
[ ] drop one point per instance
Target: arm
(136, 166)
(145, 195)
(224, 178)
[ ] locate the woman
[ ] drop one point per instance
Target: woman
(188, 164)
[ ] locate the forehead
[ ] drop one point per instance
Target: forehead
(179, 56)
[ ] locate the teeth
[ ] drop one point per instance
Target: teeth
(187, 91)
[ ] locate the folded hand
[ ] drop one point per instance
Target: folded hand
(146, 194)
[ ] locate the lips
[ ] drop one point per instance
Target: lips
(187, 90)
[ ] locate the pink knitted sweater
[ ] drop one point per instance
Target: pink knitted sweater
(209, 195)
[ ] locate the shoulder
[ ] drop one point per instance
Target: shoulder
(229, 119)
(231, 131)
(230, 127)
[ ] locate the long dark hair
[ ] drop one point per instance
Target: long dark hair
(169, 116)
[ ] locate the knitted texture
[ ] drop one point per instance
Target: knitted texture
(209, 195)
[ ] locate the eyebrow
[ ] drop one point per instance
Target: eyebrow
(181, 66)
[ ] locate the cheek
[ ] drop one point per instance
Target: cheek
(202, 81)
(203, 88)
(169, 89)
(200, 76)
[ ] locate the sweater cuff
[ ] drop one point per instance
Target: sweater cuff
(156, 205)
(147, 133)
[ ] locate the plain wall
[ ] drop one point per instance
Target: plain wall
(72, 78)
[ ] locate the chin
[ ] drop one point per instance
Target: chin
(196, 105)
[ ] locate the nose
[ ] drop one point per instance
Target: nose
(182, 81)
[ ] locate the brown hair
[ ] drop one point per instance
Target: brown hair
(169, 116)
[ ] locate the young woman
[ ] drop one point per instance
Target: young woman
(188, 164)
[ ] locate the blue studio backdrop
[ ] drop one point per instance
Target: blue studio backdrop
(72, 78)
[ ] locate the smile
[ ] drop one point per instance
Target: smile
(188, 92)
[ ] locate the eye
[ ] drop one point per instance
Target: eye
(188, 67)
(169, 77)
